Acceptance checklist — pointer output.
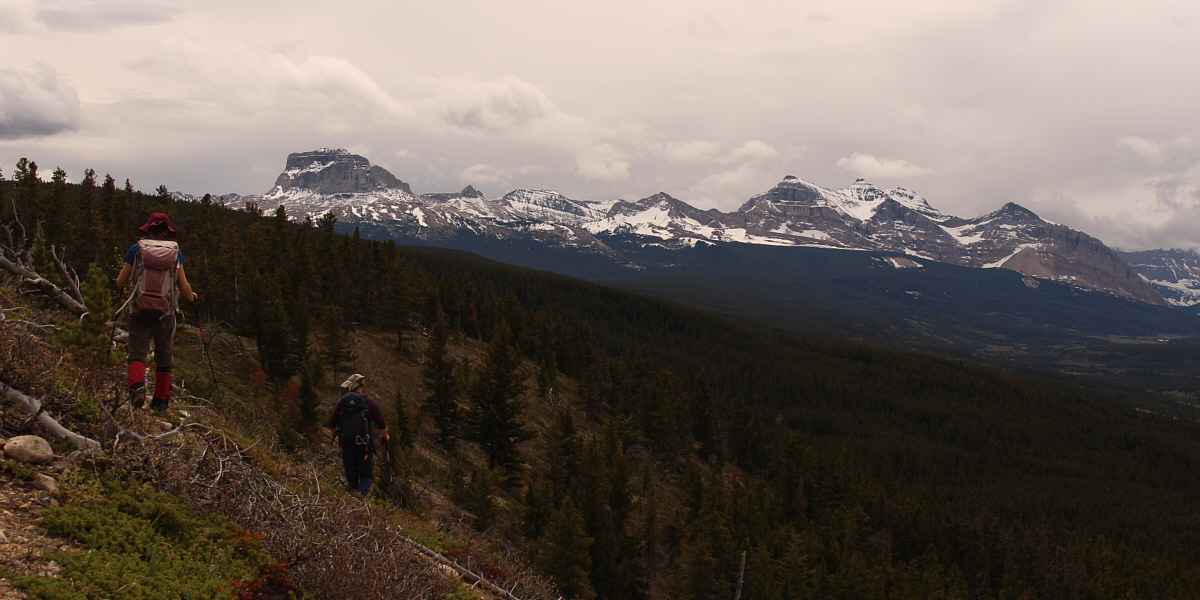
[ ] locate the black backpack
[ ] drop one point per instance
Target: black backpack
(354, 426)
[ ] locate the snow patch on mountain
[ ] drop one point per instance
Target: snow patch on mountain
(794, 212)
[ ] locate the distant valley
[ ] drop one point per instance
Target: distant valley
(881, 265)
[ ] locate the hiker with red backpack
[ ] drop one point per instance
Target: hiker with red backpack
(154, 269)
(350, 423)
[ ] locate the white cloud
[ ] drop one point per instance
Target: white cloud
(93, 17)
(1145, 148)
(252, 80)
(870, 166)
(690, 152)
(478, 175)
(16, 16)
(605, 162)
(1005, 99)
(493, 175)
(506, 106)
(752, 150)
(37, 103)
(726, 190)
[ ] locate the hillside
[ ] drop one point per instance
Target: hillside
(651, 446)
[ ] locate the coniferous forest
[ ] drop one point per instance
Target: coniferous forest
(628, 448)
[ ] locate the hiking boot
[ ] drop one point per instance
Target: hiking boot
(159, 404)
(137, 395)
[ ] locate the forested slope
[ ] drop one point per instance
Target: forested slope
(630, 448)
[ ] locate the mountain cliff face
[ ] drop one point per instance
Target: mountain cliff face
(327, 171)
(1175, 274)
(792, 213)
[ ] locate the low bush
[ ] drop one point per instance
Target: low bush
(145, 544)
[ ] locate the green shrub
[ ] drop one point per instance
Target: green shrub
(144, 544)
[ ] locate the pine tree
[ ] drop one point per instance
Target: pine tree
(308, 400)
(266, 320)
(27, 196)
(441, 385)
(494, 416)
(563, 553)
(87, 237)
(90, 336)
(335, 344)
(706, 424)
(59, 211)
(5, 208)
(111, 237)
(400, 419)
(479, 499)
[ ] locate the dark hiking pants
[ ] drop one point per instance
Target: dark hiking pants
(360, 468)
(144, 329)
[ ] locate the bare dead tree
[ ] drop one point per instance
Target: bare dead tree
(15, 257)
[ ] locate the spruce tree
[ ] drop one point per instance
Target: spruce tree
(59, 211)
(308, 399)
(266, 321)
(494, 416)
(87, 238)
(479, 499)
(563, 553)
(441, 385)
(400, 419)
(5, 207)
(110, 218)
(26, 196)
(335, 344)
(90, 336)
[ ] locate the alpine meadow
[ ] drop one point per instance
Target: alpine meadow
(553, 437)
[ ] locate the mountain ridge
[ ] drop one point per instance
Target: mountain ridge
(794, 212)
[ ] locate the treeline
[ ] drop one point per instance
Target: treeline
(683, 440)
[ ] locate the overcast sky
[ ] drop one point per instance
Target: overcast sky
(1087, 112)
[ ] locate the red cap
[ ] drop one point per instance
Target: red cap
(158, 219)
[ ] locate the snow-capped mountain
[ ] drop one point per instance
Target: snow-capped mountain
(792, 213)
(1174, 273)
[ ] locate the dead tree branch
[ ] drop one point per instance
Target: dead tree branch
(69, 274)
(17, 267)
(33, 406)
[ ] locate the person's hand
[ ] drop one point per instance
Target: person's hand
(194, 296)
(386, 438)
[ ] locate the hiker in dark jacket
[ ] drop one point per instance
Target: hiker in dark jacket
(350, 422)
(154, 267)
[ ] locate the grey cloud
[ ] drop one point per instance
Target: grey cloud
(105, 17)
(37, 103)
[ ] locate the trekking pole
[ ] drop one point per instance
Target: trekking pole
(204, 343)
(391, 480)
(387, 451)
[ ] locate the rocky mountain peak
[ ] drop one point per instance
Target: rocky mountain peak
(334, 171)
(1016, 211)
(793, 212)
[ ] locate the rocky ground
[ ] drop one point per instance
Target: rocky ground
(23, 543)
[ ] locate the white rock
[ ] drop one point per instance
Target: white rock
(29, 449)
(3, 538)
(45, 483)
